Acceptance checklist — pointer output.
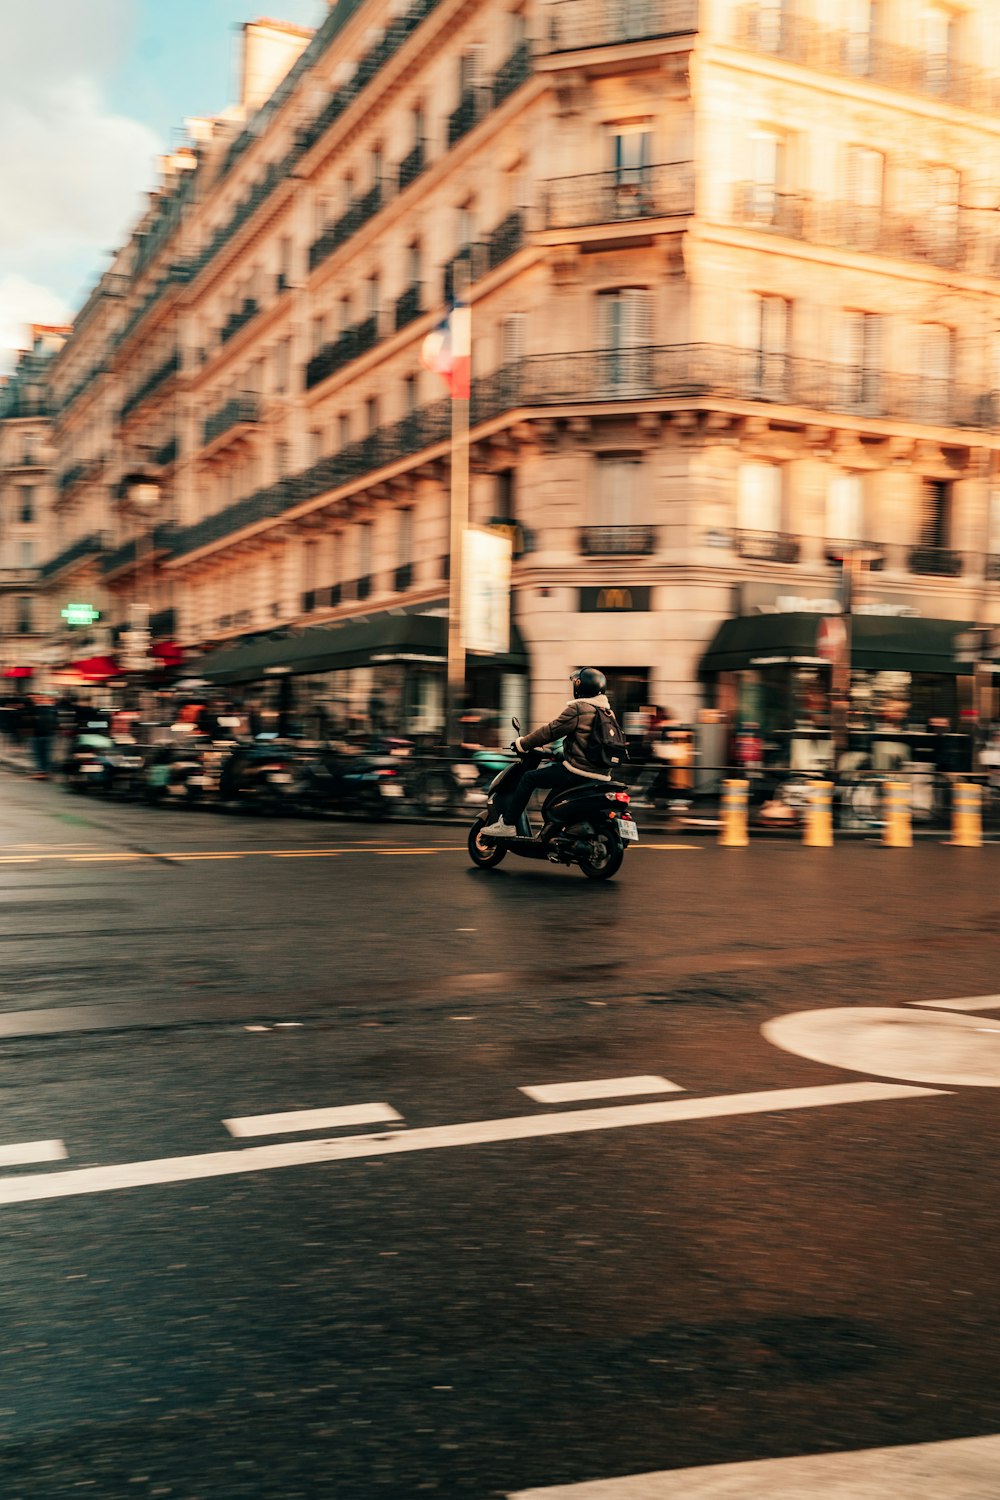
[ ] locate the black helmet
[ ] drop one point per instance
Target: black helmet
(588, 682)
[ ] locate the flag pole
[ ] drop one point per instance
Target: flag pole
(458, 510)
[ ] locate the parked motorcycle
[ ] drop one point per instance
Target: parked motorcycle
(590, 825)
(337, 780)
(264, 773)
(95, 762)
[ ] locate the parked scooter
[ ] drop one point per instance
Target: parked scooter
(337, 780)
(265, 773)
(590, 825)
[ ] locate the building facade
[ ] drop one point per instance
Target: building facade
(26, 462)
(733, 277)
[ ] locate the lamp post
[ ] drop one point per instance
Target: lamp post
(139, 494)
(853, 561)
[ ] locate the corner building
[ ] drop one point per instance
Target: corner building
(733, 277)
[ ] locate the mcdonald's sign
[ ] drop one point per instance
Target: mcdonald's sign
(614, 598)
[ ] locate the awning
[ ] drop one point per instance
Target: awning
(168, 653)
(18, 673)
(879, 643)
(91, 669)
(355, 643)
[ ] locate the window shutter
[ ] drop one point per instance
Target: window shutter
(512, 339)
(758, 498)
(638, 317)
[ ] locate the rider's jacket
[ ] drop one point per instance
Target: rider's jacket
(572, 726)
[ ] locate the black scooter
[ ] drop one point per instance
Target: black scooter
(590, 825)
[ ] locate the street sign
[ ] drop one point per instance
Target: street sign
(831, 638)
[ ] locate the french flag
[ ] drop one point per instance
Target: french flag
(447, 350)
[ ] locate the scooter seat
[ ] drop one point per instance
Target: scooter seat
(577, 793)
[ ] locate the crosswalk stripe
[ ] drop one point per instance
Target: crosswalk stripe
(435, 1137)
(600, 1088)
(956, 1469)
(28, 1152)
(311, 1119)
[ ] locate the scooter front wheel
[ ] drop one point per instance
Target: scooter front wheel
(484, 852)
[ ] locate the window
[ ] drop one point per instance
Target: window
(318, 333)
(625, 338)
(859, 355)
(282, 365)
(376, 163)
(410, 394)
(372, 296)
(864, 191)
(768, 332)
(371, 414)
(343, 429)
(315, 446)
(419, 125)
(25, 615)
(404, 536)
(345, 313)
(845, 508)
(631, 152)
(309, 553)
(759, 498)
(935, 514)
(512, 339)
(772, 18)
(505, 495)
(365, 549)
(936, 363)
(767, 200)
(27, 508)
(280, 460)
(860, 34)
(29, 448)
(614, 497)
(469, 70)
(27, 554)
(413, 262)
(940, 29)
(937, 212)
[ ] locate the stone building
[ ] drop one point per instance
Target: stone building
(26, 462)
(732, 271)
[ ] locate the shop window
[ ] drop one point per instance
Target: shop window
(759, 498)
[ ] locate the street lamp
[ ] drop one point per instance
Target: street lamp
(139, 493)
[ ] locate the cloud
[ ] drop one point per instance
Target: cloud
(72, 171)
(23, 302)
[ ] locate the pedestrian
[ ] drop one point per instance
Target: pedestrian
(44, 723)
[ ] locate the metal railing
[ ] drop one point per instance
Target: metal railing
(577, 24)
(85, 546)
(617, 541)
(238, 320)
(152, 383)
(511, 74)
(411, 166)
(408, 305)
(662, 191)
(402, 577)
(237, 411)
(786, 34)
(145, 548)
(505, 240)
(767, 546)
(166, 454)
(758, 205)
(348, 345)
(360, 211)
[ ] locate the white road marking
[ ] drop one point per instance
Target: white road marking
(472, 1133)
(925, 1046)
(971, 1002)
(959, 1469)
(31, 1151)
(312, 1119)
(600, 1088)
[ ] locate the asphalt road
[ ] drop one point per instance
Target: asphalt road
(750, 1244)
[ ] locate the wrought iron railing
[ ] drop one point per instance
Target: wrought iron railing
(411, 166)
(511, 74)
(783, 32)
(618, 541)
(238, 320)
(86, 546)
(767, 546)
(760, 206)
(166, 454)
(338, 233)
(934, 562)
(662, 191)
(351, 343)
(576, 24)
(408, 305)
(139, 548)
(402, 578)
(237, 411)
(152, 383)
(505, 240)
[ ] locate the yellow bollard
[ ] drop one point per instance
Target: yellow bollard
(733, 825)
(818, 825)
(897, 832)
(966, 815)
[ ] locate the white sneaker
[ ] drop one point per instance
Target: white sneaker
(499, 830)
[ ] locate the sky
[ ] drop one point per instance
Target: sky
(91, 92)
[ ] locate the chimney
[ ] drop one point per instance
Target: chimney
(268, 51)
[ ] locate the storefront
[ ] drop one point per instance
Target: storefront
(383, 674)
(910, 697)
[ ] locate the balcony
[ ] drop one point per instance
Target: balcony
(402, 578)
(578, 24)
(511, 74)
(758, 205)
(767, 546)
(238, 320)
(159, 377)
(505, 240)
(794, 38)
(139, 550)
(470, 110)
(338, 233)
(362, 587)
(934, 562)
(463, 269)
(618, 541)
(237, 412)
(408, 305)
(262, 505)
(349, 345)
(411, 166)
(86, 546)
(614, 197)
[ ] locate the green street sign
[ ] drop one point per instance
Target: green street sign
(80, 614)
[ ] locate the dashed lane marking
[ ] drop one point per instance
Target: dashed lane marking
(959, 1469)
(312, 1119)
(195, 855)
(29, 1152)
(84, 1180)
(600, 1088)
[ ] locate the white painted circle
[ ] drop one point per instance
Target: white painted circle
(920, 1046)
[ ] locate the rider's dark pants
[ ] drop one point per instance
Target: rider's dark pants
(548, 776)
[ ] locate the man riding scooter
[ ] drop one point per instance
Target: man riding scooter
(573, 726)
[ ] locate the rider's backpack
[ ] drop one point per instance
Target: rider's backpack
(605, 746)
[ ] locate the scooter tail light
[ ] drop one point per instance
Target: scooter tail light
(618, 796)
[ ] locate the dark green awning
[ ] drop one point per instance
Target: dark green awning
(356, 643)
(879, 643)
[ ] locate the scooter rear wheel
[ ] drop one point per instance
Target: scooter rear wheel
(486, 854)
(608, 854)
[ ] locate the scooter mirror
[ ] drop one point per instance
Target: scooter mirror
(517, 724)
